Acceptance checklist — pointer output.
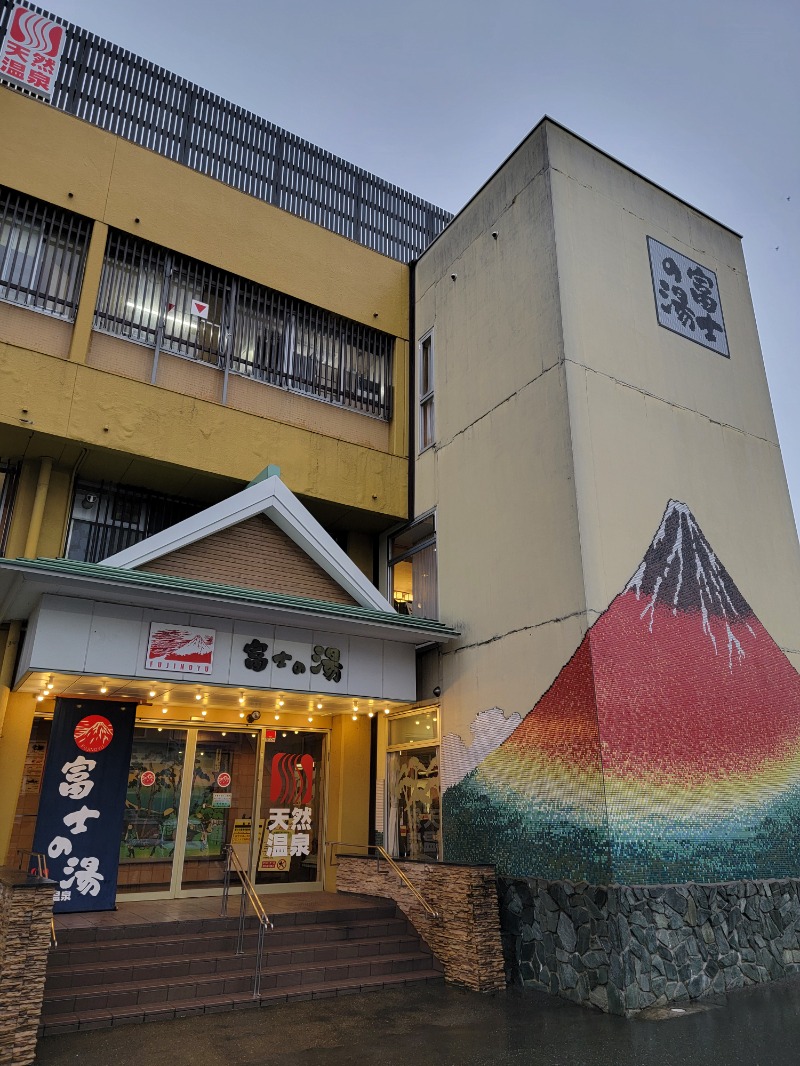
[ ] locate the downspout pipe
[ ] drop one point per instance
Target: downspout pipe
(412, 385)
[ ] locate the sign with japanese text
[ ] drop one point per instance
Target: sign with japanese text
(687, 298)
(30, 54)
(289, 828)
(184, 649)
(320, 659)
(82, 801)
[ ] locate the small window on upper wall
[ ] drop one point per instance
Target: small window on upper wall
(413, 576)
(426, 411)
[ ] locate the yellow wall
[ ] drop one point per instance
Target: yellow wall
(653, 415)
(500, 474)
(348, 786)
(324, 452)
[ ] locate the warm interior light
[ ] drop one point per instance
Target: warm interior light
(355, 717)
(104, 688)
(319, 705)
(241, 714)
(224, 733)
(252, 734)
(152, 694)
(277, 718)
(40, 699)
(241, 701)
(50, 686)
(371, 714)
(385, 710)
(204, 713)
(198, 696)
(296, 732)
(280, 703)
(163, 710)
(161, 729)
(311, 718)
(283, 734)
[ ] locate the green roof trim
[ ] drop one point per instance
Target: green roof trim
(232, 593)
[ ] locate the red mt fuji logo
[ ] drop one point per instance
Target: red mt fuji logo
(93, 733)
(183, 649)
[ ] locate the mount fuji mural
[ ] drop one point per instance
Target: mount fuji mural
(666, 750)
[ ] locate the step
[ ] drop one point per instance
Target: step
(69, 935)
(138, 1013)
(206, 986)
(103, 971)
(171, 942)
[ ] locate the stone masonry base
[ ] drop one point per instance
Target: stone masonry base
(623, 948)
(466, 938)
(26, 905)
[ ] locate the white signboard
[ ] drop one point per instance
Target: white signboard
(30, 54)
(687, 298)
(199, 309)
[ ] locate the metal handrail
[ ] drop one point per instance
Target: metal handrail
(41, 871)
(383, 854)
(248, 893)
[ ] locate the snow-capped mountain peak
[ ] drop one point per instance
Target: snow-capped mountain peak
(680, 572)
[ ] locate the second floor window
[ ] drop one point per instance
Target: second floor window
(257, 332)
(42, 254)
(426, 410)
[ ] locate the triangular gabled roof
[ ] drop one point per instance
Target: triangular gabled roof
(271, 498)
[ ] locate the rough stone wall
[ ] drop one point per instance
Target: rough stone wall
(466, 938)
(26, 905)
(623, 948)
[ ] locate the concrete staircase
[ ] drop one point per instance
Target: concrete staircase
(105, 976)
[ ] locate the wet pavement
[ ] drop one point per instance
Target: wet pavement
(446, 1026)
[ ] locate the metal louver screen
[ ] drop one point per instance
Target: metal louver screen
(125, 94)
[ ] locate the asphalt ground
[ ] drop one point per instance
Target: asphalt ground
(447, 1026)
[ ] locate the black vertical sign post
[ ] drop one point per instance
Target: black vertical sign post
(82, 801)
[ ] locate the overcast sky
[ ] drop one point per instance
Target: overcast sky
(701, 96)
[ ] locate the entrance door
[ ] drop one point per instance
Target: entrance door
(192, 791)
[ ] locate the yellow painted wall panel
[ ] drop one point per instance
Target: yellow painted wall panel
(28, 329)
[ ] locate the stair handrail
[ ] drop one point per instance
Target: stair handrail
(248, 893)
(395, 867)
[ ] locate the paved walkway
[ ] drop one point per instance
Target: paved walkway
(445, 1026)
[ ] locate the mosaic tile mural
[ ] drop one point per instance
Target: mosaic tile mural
(666, 750)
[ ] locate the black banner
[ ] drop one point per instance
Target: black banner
(82, 801)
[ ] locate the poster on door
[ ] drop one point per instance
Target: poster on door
(289, 827)
(82, 801)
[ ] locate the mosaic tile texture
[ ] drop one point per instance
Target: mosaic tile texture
(666, 750)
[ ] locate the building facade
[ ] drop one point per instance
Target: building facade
(408, 527)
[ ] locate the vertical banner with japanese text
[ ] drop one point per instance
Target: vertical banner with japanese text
(82, 801)
(289, 821)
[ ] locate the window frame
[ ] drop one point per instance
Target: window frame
(427, 541)
(426, 400)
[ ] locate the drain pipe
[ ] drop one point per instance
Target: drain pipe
(412, 386)
(37, 511)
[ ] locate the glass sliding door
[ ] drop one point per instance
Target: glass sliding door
(221, 791)
(150, 827)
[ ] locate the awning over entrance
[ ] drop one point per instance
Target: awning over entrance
(299, 616)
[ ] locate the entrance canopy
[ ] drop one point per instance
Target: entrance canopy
(250, 594)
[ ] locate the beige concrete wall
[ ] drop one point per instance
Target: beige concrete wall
(654, 415)
(500, 474)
